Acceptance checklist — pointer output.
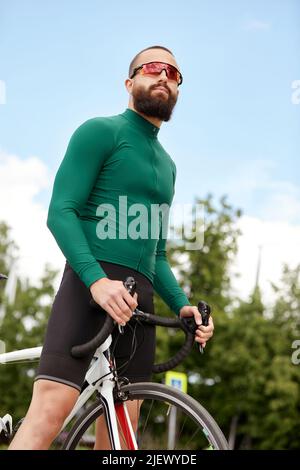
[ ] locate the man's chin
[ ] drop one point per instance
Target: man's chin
(155, 107)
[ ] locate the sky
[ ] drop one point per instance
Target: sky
(234, 131)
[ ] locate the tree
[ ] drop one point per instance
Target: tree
(204, 275)
(282, 389)
(246, 378)
(23, 326)
(7, 253)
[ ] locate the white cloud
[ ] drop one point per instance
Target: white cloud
(282, 205)
(253, 185)
(279, 242)
(21, 180)
(257, 25)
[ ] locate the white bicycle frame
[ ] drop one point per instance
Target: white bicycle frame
(99, 378)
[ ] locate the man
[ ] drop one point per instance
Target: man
(113, 166)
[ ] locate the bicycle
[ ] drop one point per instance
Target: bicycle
(167, 418)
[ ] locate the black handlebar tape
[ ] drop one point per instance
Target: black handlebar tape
(159, 321)
(205, 311)
(179, 357)
(86, 348)
(187, 325)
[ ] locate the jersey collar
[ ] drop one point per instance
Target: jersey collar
(143, 124)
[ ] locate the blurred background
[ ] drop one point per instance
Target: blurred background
(234, 137)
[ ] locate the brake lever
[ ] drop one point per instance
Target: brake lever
(205, 311)
(130, 285)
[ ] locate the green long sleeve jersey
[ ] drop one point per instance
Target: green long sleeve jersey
(114, 173)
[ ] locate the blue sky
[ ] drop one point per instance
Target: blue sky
(235, 130)
(66, 61)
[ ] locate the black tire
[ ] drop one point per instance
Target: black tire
(201, 419)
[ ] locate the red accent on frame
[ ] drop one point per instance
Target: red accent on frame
(122, 421)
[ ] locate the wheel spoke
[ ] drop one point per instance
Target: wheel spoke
(145, 425)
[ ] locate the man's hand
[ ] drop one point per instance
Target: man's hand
(203, 333)
(114, 298)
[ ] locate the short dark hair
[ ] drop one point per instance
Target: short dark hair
(134, 60)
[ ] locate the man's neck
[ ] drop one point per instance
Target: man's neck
(155, 121)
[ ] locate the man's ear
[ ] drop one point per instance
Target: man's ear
(129, 85)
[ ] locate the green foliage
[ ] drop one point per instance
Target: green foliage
(7, 253)
(204, 272)
(245, 378)
(23, 326)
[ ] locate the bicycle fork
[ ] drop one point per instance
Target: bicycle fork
(117, 414)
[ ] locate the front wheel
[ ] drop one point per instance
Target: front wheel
(169, 420)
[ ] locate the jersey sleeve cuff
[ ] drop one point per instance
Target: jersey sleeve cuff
(92, 274)
(180, 302)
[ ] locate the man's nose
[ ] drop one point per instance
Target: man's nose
(163, 75)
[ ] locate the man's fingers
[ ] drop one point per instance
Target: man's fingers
(125, 309)
(208, 328)
(204, 333)
(201, 341)
(131, 301)
(116, 313)
(207, 335)
(111, 312)
(202, 337)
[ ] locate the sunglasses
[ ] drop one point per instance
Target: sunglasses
(155, 68)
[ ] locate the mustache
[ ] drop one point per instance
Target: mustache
(161, 86)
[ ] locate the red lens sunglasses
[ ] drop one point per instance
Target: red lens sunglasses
(155, 68)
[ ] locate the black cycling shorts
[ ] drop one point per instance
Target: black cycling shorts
(73, 321)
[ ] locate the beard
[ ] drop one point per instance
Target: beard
(153, 106)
